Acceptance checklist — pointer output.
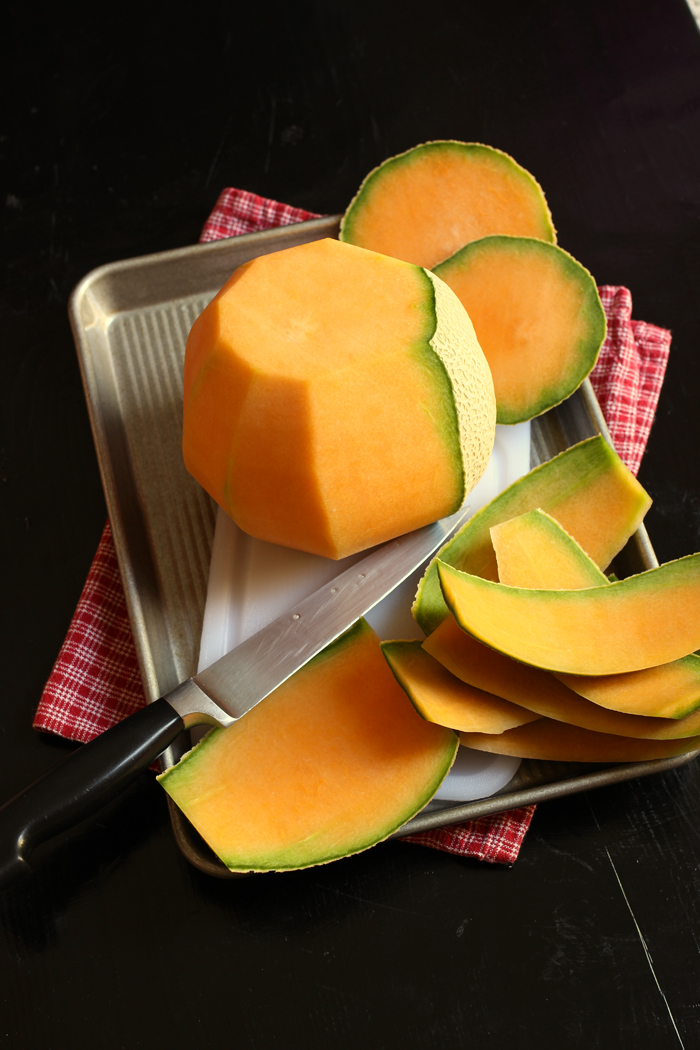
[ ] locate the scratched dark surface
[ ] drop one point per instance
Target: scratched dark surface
(119, 128)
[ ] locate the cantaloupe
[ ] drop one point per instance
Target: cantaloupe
(533, 550)
(559, 742)
(335, 398)
(537, 315)
(587, 488)
(330, 763)
(644, 620)
(541, 692)
(425, 204)
(440, 697)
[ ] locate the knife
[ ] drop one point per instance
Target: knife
(92, 775)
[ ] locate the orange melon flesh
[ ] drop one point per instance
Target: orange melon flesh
(671, 690)
(537, 315)
(541, 692)
(557, 742)
(587, 489)
(425, 204)
(330, 763)
(642, 621)
(440, 697)
(335, 398)
(534, 551)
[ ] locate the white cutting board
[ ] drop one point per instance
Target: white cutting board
(251, 582)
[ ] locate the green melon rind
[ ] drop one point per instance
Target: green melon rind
(578, 609)
(560, 540)
(376, 177)
(302, 856)
(583, 356)
(547, 485)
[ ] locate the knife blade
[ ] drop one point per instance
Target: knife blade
(99, 770)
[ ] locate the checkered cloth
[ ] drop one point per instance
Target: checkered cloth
(95, 681)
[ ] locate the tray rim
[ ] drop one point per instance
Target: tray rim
(190, 844)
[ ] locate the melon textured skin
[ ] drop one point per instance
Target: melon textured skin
(537, 315)
(587, 489)
(558, 742)
(541, 692)
(644, 620)
(440, 697)
(330, 763)
(427, 203)
(335, 398)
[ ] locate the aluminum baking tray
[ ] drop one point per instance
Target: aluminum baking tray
(130, 320)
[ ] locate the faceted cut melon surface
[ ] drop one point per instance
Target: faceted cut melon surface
(424, 205)
(330, 763)
(335, 398)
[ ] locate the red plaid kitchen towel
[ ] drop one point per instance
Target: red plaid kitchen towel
(95, 681)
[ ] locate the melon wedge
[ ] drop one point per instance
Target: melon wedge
(644, 620)
(335, 398)
(587, 488)
(533, 550)
(425, 204)
(537, 315)
(558, 742)
(669, 691)
(541, 692)
(440, 697)
(330, 763)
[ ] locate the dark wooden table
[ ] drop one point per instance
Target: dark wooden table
(119, 128)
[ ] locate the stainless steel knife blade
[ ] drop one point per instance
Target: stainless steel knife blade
(238, 681)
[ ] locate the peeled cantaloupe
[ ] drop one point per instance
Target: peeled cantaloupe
(587, 488)
(537, 315)
(440, 697)
(330, 763)
(425, 204)
(644, 620)
(335, 398)
(559, 742)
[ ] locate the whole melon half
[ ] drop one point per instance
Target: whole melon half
(335, 398)
(427, 203)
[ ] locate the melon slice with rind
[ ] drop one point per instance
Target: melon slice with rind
(537, 315)
(587, 489)
(335, 398)
(533, 550)
(440, 697)
(427, 203)
(541, 692)
(644, 620)
(330, 763)
(558, 742)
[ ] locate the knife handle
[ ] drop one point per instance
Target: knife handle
(82, 783)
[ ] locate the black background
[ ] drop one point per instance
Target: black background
(119, 128)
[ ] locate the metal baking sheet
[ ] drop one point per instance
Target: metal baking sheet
(130, 320)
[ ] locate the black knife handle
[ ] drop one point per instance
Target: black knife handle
(82, 783)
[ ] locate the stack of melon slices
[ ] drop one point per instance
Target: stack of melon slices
(579, 667)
